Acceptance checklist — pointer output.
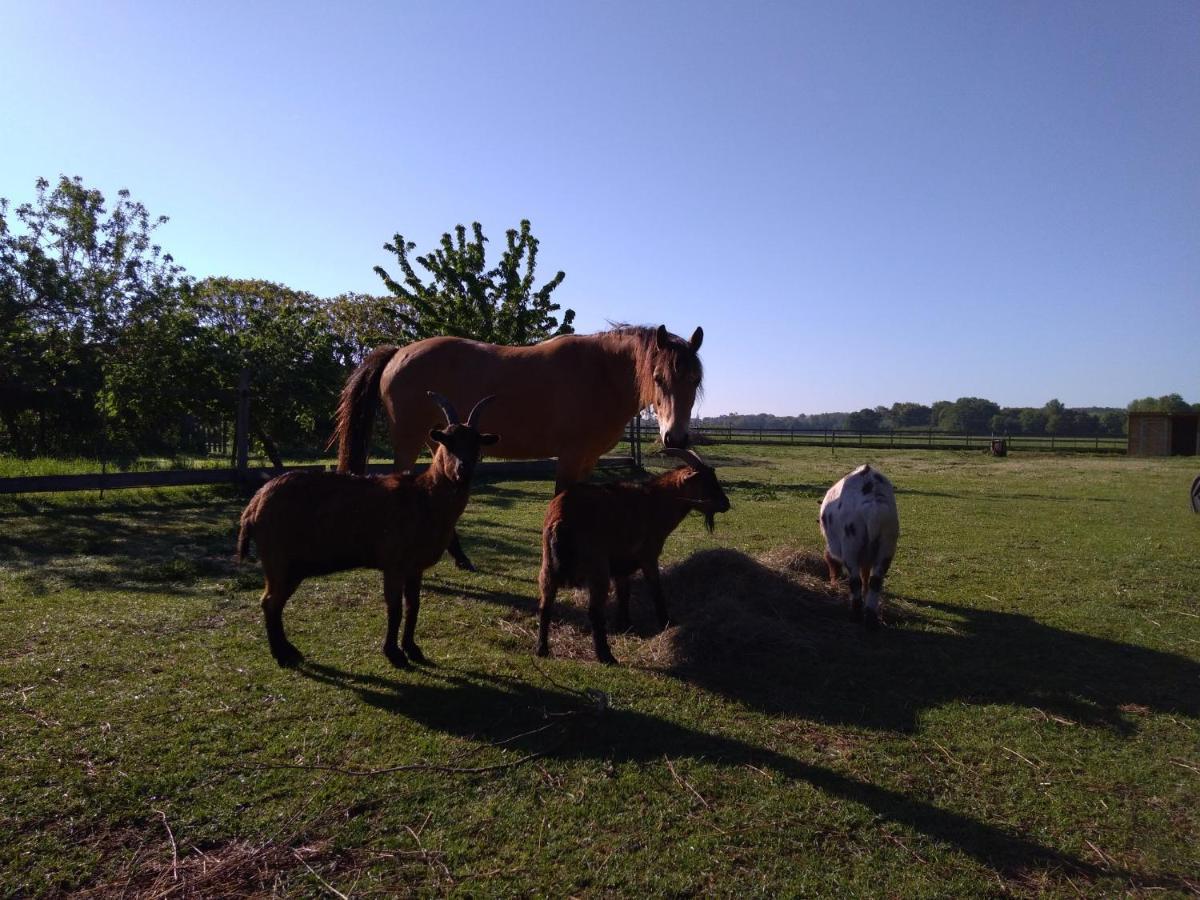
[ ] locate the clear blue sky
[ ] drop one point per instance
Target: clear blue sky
(860, 202)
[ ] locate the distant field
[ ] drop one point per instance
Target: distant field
(1028, 722)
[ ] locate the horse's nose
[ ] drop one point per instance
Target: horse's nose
(677, 441)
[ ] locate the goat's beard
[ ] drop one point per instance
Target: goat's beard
(710, 521)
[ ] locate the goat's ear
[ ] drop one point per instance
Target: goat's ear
(488, 439)
(437, 436)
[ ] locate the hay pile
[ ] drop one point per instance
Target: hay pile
(730, 608)
(733, 608)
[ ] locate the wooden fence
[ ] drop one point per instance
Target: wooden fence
(906, 440)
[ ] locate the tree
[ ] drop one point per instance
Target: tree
(971, 415)
(911, 415)
(465, 299)
(362, 322)
(1165, 403)
(72, 278)
(864, 420)
(283, 338)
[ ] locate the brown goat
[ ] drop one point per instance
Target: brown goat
(596, 533)
(314, 523)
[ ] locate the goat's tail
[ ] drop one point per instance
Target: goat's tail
(558, 549)
(356, 411)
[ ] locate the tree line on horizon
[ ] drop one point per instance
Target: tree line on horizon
(109, 348)
(969, 415)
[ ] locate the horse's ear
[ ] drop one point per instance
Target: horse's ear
(437, 436)
(697, 339)
(661, 338)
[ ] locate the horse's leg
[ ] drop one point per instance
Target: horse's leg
(571, 470)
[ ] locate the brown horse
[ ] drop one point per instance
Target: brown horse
(569, 397)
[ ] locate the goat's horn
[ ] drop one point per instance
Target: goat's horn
(473, 418)
(447, 408)
(691, 457)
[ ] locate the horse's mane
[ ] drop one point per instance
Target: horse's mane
(647, 353)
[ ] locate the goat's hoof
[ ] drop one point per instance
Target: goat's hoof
(288, 656)
(465, 564)
(414, 653)
(607, 659)
(543, 650)
(397, 658)
(871, 620)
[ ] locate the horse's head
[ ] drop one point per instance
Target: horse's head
(677, 375)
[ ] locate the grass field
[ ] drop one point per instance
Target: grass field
(1028, 722)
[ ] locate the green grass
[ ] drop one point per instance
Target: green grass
(1028, 723)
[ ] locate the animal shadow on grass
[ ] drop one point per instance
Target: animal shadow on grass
(554, 723)
(771, 633)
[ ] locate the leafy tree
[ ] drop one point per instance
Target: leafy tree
(911, 415)
(72, 278)
(283, 338)
(466, 299)
(864, 420)
(1165, 403)
(362, 322)
(967, 414)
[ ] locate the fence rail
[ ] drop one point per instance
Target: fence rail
(906, 440)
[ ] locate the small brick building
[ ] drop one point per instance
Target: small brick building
(1164, 434)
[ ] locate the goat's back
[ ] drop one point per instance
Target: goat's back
(859, 518)
(590, 524)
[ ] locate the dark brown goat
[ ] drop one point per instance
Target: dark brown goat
(314, 523)
(596, 533)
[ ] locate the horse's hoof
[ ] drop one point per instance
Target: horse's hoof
(397, 658)
(414, 653)
(871, 620)
(288, 656)
(543, 651)
(607, 659)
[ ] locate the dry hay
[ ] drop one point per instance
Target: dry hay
(730, 608)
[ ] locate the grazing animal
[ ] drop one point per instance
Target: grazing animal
(314, 523)
(861, 525)
(1196, 495)
(596, 533)
(569, 397)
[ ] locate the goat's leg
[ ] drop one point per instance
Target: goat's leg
(874, 590)
(650, 573)
(835, 567)
(856, 599)
(278, 591)
(597, 598)
(621, 583)
(412, 605)
(393, 591)
(548, 588)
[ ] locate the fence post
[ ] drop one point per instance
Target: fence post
(241, 435)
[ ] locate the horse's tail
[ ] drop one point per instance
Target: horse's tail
(246, 530)
(356, 411)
